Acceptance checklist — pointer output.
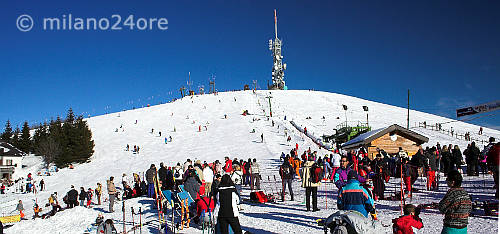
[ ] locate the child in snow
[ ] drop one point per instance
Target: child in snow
(89, 197)
(410, 219)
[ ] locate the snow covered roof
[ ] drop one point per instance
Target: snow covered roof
(6, 149)
(368, 137)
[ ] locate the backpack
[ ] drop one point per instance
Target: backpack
(177, 174)
(315, 173)
(286, 171)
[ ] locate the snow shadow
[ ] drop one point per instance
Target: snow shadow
(296, 219)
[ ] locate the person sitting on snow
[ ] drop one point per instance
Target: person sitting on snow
(354, 197)
(405, 224)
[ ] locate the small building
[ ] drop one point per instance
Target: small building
(10, 159)
(389, 139)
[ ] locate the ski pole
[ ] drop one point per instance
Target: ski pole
(326, 197)
(402, 189)
(123, 210)
(133, 222)
(140, 219)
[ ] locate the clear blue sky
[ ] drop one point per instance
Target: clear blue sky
(446, 52)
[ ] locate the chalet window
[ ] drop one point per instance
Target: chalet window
(9, 162)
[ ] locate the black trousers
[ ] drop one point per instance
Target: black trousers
(224, 222)
(314, 191)
(379, 186)
(284, 184)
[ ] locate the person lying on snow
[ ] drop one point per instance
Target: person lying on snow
(406, 223)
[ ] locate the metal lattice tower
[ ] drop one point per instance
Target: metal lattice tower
(278, 72)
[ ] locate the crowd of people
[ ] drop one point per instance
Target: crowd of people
(360, 180)
(208, 184)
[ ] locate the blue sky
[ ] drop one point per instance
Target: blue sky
(446, 52)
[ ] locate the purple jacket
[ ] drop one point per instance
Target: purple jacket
(341, 177)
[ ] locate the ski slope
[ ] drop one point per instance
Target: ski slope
(233, 137)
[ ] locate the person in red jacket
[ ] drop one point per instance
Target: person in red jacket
(204, 204)
(406, 223)
(228, 168)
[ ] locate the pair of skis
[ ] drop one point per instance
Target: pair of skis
(161, 218)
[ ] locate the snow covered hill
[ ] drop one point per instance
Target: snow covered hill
(233, 137)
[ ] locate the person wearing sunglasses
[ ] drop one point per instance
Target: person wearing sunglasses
(341, 173)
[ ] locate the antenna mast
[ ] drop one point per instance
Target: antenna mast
(275, 25)
(278, 71)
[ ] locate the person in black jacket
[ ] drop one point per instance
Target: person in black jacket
(162, 173)
(417, 162)
(192, 182)
(286, 173)
(472, 159)
(215, 187)
(150, 176)
(379, 166)
(82, 196)
(446, 159)
(227, 199)
(72, 197)
(457, 158)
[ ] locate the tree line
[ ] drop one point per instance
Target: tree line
(60, 142)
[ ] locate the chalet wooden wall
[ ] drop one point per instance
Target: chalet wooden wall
(386, 143)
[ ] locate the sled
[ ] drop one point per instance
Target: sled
(11, 219)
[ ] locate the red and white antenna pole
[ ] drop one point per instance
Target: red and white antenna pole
(275, 25)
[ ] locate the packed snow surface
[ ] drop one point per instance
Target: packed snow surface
(233, 137)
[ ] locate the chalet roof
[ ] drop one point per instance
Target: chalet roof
(368, 137)
(6, 149)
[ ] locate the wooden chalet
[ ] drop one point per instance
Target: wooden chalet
(389, 139)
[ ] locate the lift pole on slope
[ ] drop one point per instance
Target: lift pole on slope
(408, 115)
(270, 110)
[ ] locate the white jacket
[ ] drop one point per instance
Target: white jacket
(336, 160)
(208, 175)
(237, 177)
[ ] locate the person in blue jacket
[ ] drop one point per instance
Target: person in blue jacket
(354, 197)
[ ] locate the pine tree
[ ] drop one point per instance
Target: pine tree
(7, 134)
(57, 135)
(15, 138)
(84, 145)
(25, 140)
(41, 133)
(64, 143)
